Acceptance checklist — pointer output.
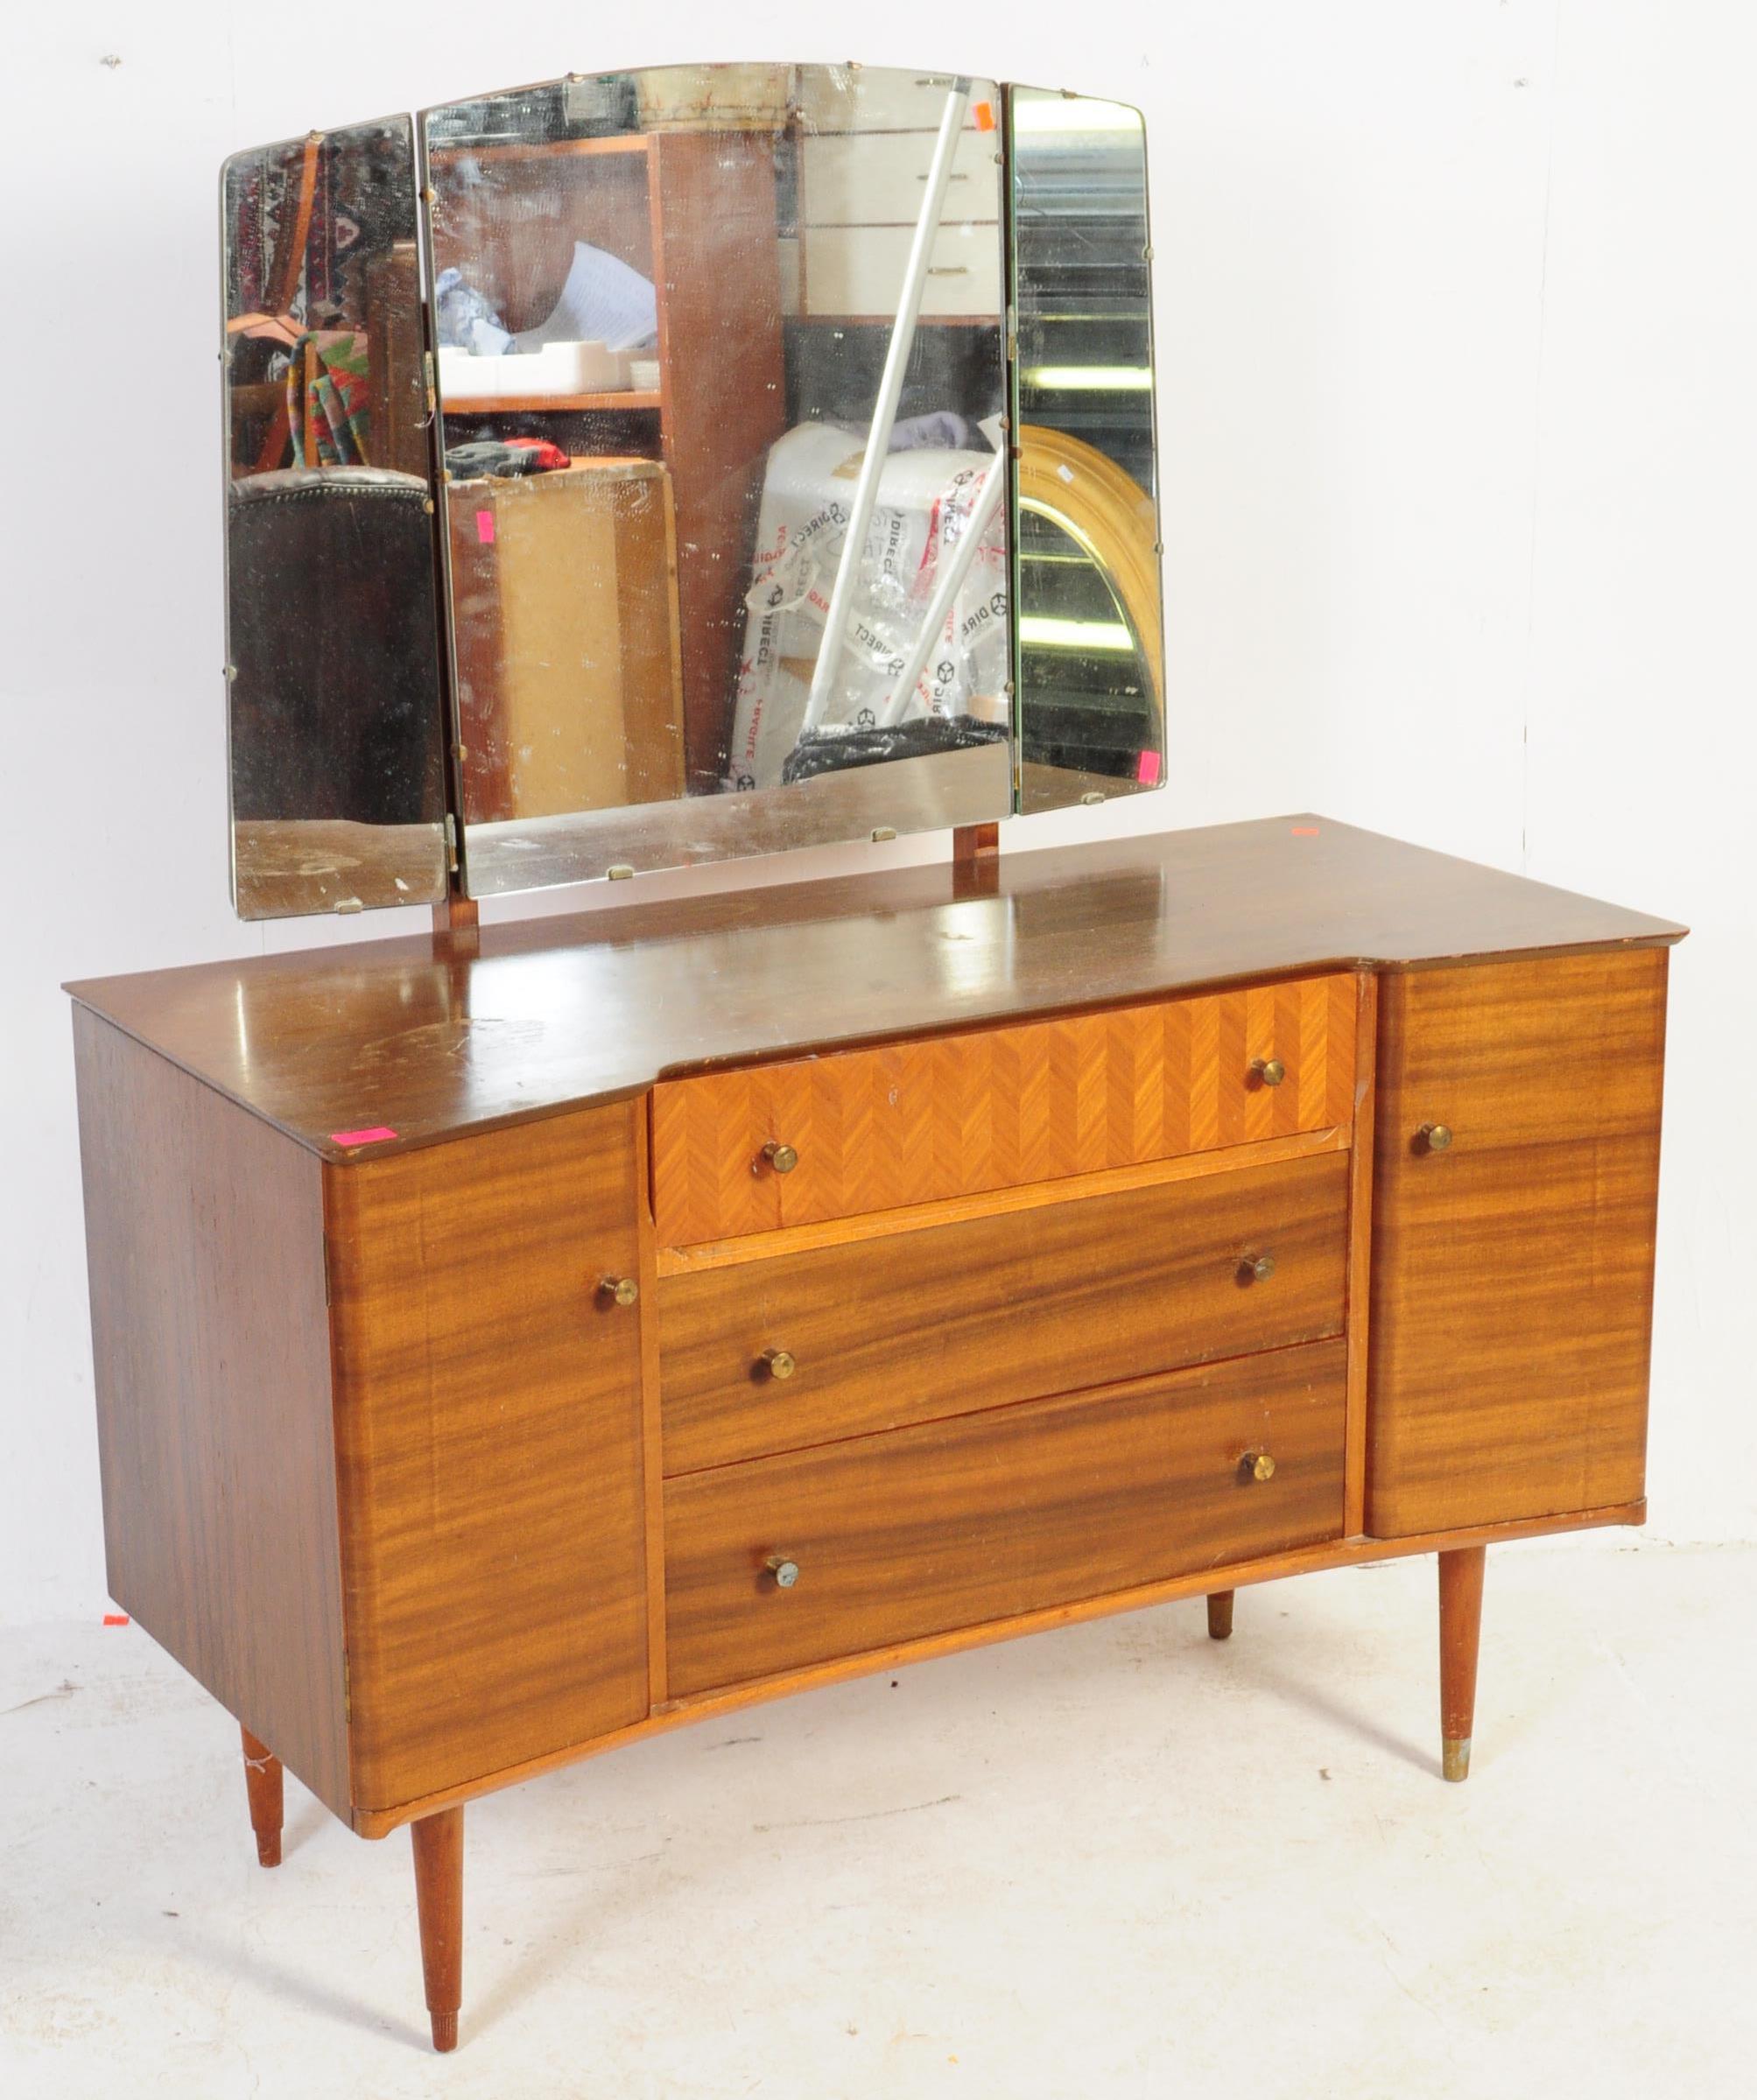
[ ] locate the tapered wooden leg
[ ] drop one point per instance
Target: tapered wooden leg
(263, 1780)
(439, 1843)
(1461, 1626)
(1219, 1615)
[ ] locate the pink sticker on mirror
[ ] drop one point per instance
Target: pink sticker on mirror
(377, 1135)
(485, 527)
(1148, 771)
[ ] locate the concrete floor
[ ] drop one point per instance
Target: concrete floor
(1116, 1860)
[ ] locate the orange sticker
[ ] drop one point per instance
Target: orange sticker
(984, 115)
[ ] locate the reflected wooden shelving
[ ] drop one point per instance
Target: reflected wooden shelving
(542, 148)
(697, 213)
(626, 402)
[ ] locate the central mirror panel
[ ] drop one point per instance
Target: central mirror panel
(721, 373)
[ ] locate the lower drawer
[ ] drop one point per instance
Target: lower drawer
(859, 269)
(957, 1523)
(1018, 1305)
(864, 179)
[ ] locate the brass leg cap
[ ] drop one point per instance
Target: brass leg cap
(445, 2031)
(1455, 1757)
(268, 1848)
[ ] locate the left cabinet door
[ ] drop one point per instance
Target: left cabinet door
(487, 1419)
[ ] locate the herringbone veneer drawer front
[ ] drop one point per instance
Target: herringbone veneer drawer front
(915, 1122)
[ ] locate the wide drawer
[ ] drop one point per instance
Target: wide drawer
(958, 1523)
(860, 179)
(874, 1334)
(860, 270)
(1002, 1107)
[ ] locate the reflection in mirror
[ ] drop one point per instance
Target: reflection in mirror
(722, 373)
(1091, 650)
(335, 700)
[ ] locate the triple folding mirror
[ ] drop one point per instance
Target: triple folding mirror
(680, 465)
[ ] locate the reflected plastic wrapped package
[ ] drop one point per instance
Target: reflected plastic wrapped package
(925, 497)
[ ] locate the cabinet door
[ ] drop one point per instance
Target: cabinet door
(489, 1450)
(1513, 1259)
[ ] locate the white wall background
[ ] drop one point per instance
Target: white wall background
(1458, 358)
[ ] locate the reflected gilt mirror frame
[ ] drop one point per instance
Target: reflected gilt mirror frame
(1079, 592)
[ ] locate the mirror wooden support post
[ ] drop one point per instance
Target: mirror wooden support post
(459, 914)
(438, 1845)
(976, 860)
(1220, 1615)
(262, 1779)
(1460, 1626)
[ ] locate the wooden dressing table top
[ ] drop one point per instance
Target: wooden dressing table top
(431, 1036)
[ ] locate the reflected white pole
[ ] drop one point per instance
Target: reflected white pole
(952, 576)
(884, 410)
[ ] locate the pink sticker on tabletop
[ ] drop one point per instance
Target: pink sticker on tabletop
(1148, 771)
(377, 1135)
(485, 527)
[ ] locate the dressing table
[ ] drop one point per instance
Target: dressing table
(517, 1340)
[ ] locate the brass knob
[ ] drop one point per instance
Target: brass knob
(623, 1289)
(778, 1362)
(1258, 1267)
(1259, 1465)
(1270, 1071)
(781, 1158)
(786, 1572)
(1435, 1136)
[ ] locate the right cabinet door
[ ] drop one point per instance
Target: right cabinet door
(1516, 1174)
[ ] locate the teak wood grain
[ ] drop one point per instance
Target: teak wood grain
(1461, 1575)
(652, 1442)
(1359, 1295)
(204, 1238)
(488, 1448)
(1512, 1271)
(265, 1790)
(1018, 1306)
(712, 197)
(920, 1530)
(432, 1039)
(919, 1121)
(424, 1543)
(783, 1684)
